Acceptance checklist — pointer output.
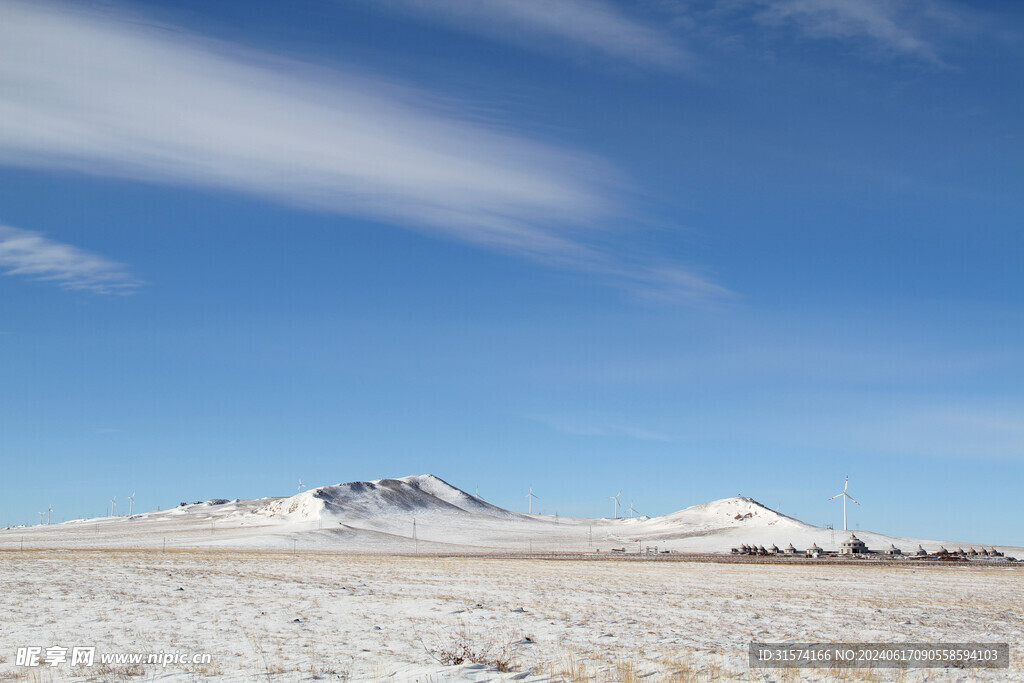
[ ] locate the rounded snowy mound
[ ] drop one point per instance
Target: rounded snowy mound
(420, 494)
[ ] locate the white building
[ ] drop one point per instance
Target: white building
(853, 546)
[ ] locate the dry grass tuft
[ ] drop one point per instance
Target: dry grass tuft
(461, 644)
(625, 671)
(680, 669)
(573, 670)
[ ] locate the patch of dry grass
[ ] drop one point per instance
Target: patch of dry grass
(462, 644)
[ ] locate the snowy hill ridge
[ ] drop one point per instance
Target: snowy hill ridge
(423, 513)
(379, 498)
(729, 512)
(739, 519)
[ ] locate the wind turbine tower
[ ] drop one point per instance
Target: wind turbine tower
(49, 509)
(529, 496)
(631, 510)
(40, 517)
(113, 505)
(615, 498)
(131, 503)
(301, 486)
(844, 495)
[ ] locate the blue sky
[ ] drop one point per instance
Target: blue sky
(686, 250)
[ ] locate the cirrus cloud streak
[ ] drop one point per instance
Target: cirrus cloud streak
(99, 94)
(31, 254)
(592, 26)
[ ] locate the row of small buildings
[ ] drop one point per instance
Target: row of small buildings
(855, 546)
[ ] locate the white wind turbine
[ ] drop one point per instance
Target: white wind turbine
(529, 496)
(113, 505)
(301, 485)
(844, 495)
(131, 503)
(616, 499)
(41, 517)
(631, 510)
(49, 509)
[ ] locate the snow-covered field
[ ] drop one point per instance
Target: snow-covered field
(264, 615)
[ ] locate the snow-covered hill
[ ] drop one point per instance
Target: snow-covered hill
(423, 513)
(422, 493)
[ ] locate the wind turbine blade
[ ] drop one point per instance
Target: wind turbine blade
(851, 498)
(838, 495)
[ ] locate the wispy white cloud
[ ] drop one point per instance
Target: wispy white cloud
(961, 429)
(600, 426)
(100, 94)
(30, 254)
(890, 26)
(593, 26)
(917, 426)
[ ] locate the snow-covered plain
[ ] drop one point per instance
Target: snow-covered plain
(316, 615)
(388, 580)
